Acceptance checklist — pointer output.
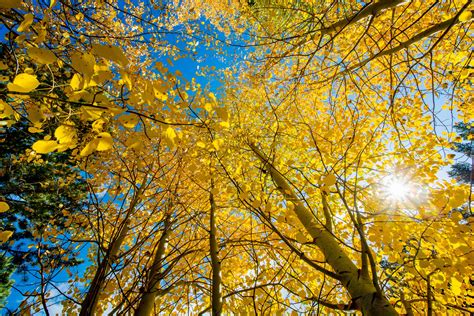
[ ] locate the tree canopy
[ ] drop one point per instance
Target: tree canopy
(238, 157)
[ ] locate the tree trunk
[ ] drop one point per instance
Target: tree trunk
(89, 305)
(216, 298)
(361, 289)
(406, 304)
(147, 302)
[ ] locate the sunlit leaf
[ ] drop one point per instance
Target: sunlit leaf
(91, 113)
(42, 55)
(224, 124)
(170, 135)
(76, 82)
(44, 146)
(4, 207)
(83, 63)
(23, 83)
(5, 235)
(89, 148)
(135, 144)
(301, 238)
(329, 180)
(465, 16)
(27, 21)
(129, 121)
(34, 130)
(5, 109)
(65, 134)
(98, 125)
(217, 143)
(208, 107)
(112, 53)
(105, 141)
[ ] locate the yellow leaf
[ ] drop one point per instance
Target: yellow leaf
(133, 143)
(225, 124)
(5, 235)
(44, 146)
(35, 115)
(98, 125)
(42, 55)
(423, 264)
(40, 38)
(83, 63)
(217, 143)
(89, 148)
(268, 207)
(208, 107)
(3, 66)
(456, 286)
(90, 113)
(109, 52)
(330, 180)
(222, 114)
(5, 109)
(65, 134)
(102, 76)
(34, 130)
(27, 21)
(64, 147)
(105, 141)
(116, 110)
(160, 96)
(126, 79)
(170, 136)
(10, 4)
(76, 82)
(128, 121)
(213, 97)
(465, 16)
(301, 238)
(23, 83)
(281, 219)
(201, 144)
(4, 207)
(256, 203)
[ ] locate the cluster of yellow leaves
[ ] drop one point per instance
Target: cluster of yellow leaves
(326, 139)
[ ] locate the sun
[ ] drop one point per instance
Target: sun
(397, 188)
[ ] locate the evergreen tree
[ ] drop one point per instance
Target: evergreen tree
(462, 169)
(6, 270)
(38, 192)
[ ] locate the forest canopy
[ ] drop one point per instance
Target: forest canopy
(236, 157)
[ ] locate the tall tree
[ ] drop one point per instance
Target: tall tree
(38, 193)
(306, 184)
